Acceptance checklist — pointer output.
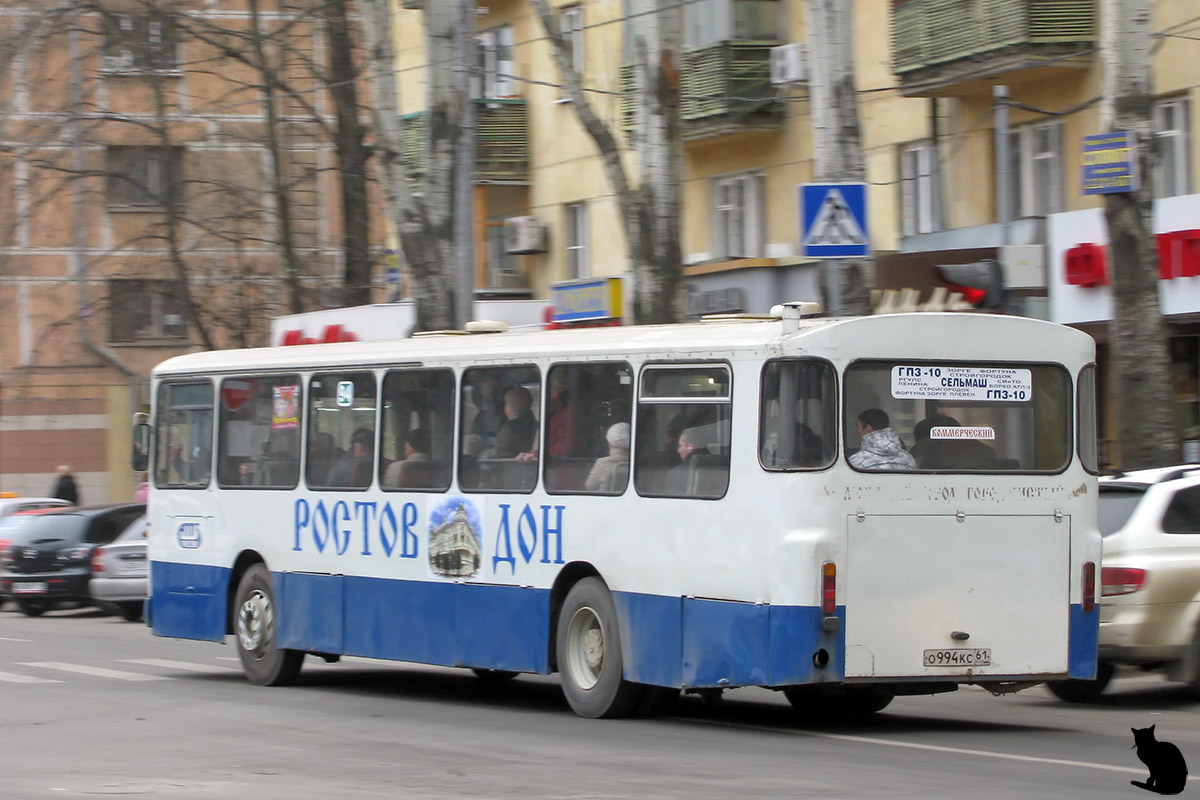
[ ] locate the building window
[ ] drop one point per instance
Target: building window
(570, 20)
(1037, 170)
(1171, 134)
(502, 269)
(920, 195)
(143, 177)
(141, 310)
(709, 21)
(495, 64)
(738, 218)
(139, 43)
(577, 241)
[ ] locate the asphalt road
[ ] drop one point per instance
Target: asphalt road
(93, 705)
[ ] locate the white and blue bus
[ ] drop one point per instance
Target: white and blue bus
(841, 509)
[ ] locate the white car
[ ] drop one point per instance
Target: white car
(11, 505)
(1150, 578)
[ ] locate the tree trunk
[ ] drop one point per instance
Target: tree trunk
(837, 145)
(425, 234)
(650, 212)
(1141, 366)
(352, 157)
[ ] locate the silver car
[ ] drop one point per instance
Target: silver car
(119, 573)
(1150, 578)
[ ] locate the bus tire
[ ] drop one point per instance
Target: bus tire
(588, 646)
(264, 663)
(831, 705)
(1083, 691)
(131, 611)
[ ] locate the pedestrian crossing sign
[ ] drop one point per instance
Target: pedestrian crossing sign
(833, 220)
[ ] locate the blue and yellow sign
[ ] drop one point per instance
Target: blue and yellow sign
(1109, 163)
(579, 301)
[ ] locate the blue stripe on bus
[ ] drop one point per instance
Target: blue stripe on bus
(1083, 640)
(667, 641)
(187, 601)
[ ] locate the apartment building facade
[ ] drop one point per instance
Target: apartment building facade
(142, 193)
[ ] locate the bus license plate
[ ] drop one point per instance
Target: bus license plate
(29, 588)
(959, 657)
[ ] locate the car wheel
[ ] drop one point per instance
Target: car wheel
(264, 663)
(588, 647)
(1083, 691)
(825, 705)
(131, 612)
(33, 608)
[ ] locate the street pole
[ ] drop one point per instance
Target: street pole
(837, 136)
(464, 174)
(1140, 363)
(1003, 162)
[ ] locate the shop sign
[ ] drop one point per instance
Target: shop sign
(1086, 264)
(579, 301)
(1109, 162)
(717, 301)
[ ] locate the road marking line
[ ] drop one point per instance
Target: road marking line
(8, 639)
(96, 671)
(211, 669)
(937, 748)
(14, 678)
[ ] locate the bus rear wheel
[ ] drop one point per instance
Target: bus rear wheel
(1083, 691)
(264, 663)
(588, 646)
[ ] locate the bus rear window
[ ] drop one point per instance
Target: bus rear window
(957, 417)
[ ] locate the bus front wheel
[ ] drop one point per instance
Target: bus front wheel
(264, 663)
(588, 646)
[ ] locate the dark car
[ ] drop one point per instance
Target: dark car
(48, 560)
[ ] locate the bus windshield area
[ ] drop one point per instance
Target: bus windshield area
(904, 416)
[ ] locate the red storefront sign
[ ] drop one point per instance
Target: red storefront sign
(1178, 257)
(331, 334)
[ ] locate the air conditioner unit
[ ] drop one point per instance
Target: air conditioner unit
(789, 63)
(524, 235)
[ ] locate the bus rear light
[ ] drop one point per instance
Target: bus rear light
(828, 588)
(1121, 580)
(1088, 583)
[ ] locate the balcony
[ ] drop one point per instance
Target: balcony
(725, 88)
(940, 46)
(502, 143)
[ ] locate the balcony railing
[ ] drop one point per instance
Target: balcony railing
(935, 33)
(725, 87)
(502, 141)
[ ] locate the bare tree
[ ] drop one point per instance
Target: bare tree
(650, 209)
(424, 223)
(1145, 426)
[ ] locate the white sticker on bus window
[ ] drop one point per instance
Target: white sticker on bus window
(962, 383)
(961, 432)
(345, 394)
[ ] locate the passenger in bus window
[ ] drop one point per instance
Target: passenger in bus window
(879, 446)
(400, 474)
(603, 477)
(323, 453)
(691, 448)
(489, 407)
(354, 468)
(517, 433)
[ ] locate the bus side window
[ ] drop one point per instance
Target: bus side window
(683, 447)
(341, 431)
(417, 430)
(498, 450)
(258, 442)
(184, 431)
(797, 421)
(587, 428)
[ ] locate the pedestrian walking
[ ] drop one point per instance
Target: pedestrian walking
(64, 486)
